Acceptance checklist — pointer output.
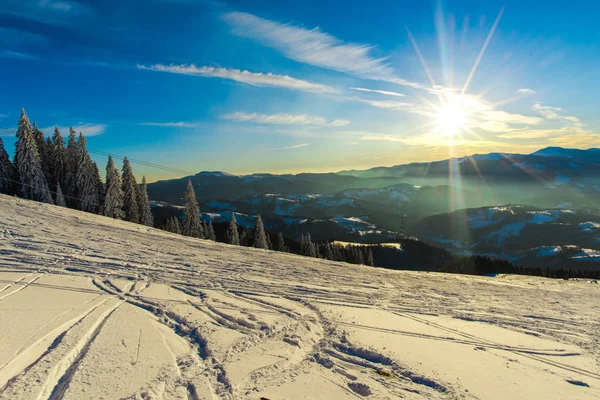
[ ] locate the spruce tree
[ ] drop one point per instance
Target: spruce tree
(99, 186)
(59, 158)
(269, 243)
(369, 258)
(33, 184)
(72, 166)
(210, 232)
(259, 237)
(113, 194)
(307, 247)
(85, 180)
(280, 242)
(60, 198)
(130, 193)
(246, 238)
(6, 171)
(192, 225)
(232, 236)
(173, 225)
(146, 217)
(327, 251)
(45, 152)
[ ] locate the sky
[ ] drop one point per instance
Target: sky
(311, 86)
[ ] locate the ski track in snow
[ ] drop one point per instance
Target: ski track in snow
(97, 308)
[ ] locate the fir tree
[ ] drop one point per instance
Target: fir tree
(173, 225)
(210, 232)
(260, 239)
(359, 259)
(232, 236)
(59, 158)
(130, 193)
(60, 199)
(307, 247)
(246, 238)
(33, 184)
(99, 186)
(369, 258)
(327, 251)
(45, 152)
(269, 243)
(317, 250)
(146, 217)
(72, 166)
(281, 243)
(113, 197)
(6, 171)
(85, 180)
(191, 223)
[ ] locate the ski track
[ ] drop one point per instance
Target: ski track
(255, 323)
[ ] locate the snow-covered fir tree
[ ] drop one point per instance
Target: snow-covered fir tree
(173, 225)
(44, 151)
(59, 159)
(281, 243)
(113, 194)
(99, 184)
(60, 198)
(232, 236)
(247, 237)
(146, 217)
(72, 165)
(260, 239)
(307, 247)
(369, 258)
(87, 187)
(33, 184)
(209, 232)
(6, 170)
(269, 243)
(192, 226)
(130, 193)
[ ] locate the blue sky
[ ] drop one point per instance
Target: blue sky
(262, 86)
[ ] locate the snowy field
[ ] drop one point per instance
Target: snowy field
(94, 308)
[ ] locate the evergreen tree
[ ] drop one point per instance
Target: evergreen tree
(327, 251)
(6, 171)
(173, 225)
(113, 194)
(59, 158)
(33, 184)
(359, 256)
(99, 186)
(45, 152)
(60, 199)
(72, 166)
(369, 258)
(260, 239)
(210, 232)
(146, 217)
(317, 250)
(130, 193)
(246, 238)
(85, 181)
(269, 243)
(281, 243)
(191, 223)
(232, 236)
(307, 247)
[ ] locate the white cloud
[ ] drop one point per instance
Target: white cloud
(295, 146)
(544, 133)
(87, 129)
(243, 76)
(179, 124)
(284, 119)
(16, 55)
(384, 92)
(552, 113)
(385, 104)
(526, 91)
(509, 118)
(382, 137)
(314, 47)
(49, 11)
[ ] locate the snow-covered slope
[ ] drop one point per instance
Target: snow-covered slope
(96, 308)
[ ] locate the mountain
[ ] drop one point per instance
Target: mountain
(94, 307)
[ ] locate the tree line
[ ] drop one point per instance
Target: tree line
(53, 171)
(258, 237)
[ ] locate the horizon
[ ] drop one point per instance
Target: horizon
(287, 89)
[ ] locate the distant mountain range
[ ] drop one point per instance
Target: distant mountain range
(422, 200)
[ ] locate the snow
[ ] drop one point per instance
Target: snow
(483, 218)
(397, 246)
(218, 205)
(561, 180)
(93, 308)
(508, 230)
(587, 254)
(545, 251)
(542, 217)
(589, 226)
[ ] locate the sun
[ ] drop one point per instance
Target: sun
(452, 118)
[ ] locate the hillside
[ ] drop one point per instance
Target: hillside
(92, 307)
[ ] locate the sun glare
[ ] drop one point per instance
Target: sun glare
(452, 118)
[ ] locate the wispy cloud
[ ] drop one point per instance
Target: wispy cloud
(243, 76)
(16, 37)
(88, 129)
(384, 92)
(179, 124)
(526, 91)
(382, 137)
(385, 104)
(553, 113)
(49, 11)
(295, 146)
(284, 119)
(509, 118)
(314, 47)
(544, 133)
(16, 55)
